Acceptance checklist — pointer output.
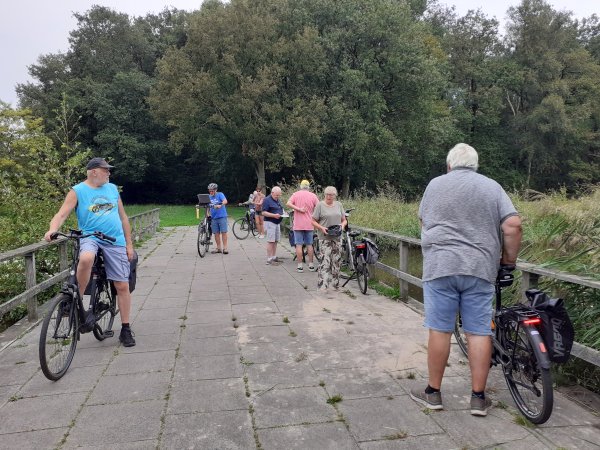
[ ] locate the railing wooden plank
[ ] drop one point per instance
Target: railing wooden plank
(558, 275)
(23, 296)
(586, 353)
(30, 282)
(22, 251)
(398, 274)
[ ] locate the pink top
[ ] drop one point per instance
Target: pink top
(308, 201)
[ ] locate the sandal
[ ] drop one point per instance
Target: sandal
(216, 251)
(225, 252)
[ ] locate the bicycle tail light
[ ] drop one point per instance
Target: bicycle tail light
(534, 321)
(361, 245)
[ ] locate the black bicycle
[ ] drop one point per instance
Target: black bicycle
(519, 349)
(67, 317)
(354, 256)
(204, 230)
(243, 226)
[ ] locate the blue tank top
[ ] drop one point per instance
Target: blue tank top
(98, 210)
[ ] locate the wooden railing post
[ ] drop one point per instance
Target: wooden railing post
(403, 267)
(63, 260)
(528, 281)
(30, 282)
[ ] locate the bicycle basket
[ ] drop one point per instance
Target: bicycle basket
(556, 329)
(372, 253)
(203, 199)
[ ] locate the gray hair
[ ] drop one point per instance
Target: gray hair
(330, 190)
(462, 155)
(276, 189)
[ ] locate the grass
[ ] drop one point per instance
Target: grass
(179, 215)
(335, 399)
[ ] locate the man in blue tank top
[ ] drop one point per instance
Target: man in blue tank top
(99, 208)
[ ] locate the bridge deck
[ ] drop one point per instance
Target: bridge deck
(232, 353)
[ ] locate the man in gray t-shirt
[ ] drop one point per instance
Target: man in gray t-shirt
(469, 228)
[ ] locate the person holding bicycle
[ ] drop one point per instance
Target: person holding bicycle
(258, 200)
(469, 230)
(272, 211)
(98, 206)
(329, 219)
(218, 212)
(303, 203)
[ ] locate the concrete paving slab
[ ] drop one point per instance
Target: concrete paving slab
(142, 362)
(282, 375)
(208, 317)
(160, 314)
(208, 367)
(441, 441)
(207, 396)
(296, 406)
(218, 430)
(17, 371)
(378, 418)
(105, 423)
(145, 444)
(130, 388)
(578, 437)
(7, 392)
(217, 305)
(151, 327)
(204, 330)
(156, 302)
(254, 335)
(359, 383)
(223, 345)
(94, 356)
(153, 343)
(32, 440)
(268, 352)
(77, 379)
(322, 436)
(28, 414)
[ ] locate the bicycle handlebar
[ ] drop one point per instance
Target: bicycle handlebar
(78, 234)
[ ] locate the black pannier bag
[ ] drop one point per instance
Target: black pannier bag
(372, 254)
(556, 329)
(133, 271)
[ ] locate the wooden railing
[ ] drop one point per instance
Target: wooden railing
(530, 278)
(142, 225)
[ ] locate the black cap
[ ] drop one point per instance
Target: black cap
(94, 163)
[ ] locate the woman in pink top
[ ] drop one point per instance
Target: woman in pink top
(258, 201)
(303, 203)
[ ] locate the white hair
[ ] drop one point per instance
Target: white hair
(330, 190)
(462, 155)
(276, 189)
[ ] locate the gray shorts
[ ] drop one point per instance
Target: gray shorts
(115, 258)
(273, 231)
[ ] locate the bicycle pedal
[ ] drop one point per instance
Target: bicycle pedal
(109, 333)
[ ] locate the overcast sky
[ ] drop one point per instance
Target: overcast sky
(30, 28)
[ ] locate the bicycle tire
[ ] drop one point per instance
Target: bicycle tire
(346, 259)
(201, 239)
(529, 384)
(58, 337)
(317, 249)
(362, 274)
(459, 335)
(252, 226)
(241, 228)
(105, 309)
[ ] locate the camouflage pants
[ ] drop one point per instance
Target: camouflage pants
(329, 269)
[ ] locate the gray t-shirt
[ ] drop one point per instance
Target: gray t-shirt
(461, 213)
(328, 216)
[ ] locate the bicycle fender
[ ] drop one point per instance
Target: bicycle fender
(539, 346)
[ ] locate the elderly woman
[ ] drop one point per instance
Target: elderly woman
(328, 216)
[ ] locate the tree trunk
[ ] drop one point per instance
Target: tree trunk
(346, 186)
(259, 167)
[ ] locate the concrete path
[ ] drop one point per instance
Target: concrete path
(233, 353)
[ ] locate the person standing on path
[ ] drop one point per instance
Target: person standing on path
(303, 203)
(218, 213)
(258, 200)
(98, 206)
(272, 211)
(469, 230)
(329, 219)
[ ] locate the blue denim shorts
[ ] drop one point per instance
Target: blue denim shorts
(445, 297)
(115, 258)
(219, 225)
(303, 237)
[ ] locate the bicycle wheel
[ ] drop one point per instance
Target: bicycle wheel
(345, 259)
(201, 239)
(105, 310)
(253, 228)
(459, 335)
(241, 228)
(528, 382)
(362, 274)
(58, 338)
(317, 249)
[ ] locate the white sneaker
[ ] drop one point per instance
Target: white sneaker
(261, 236)
(300, 269)
(311, 268)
